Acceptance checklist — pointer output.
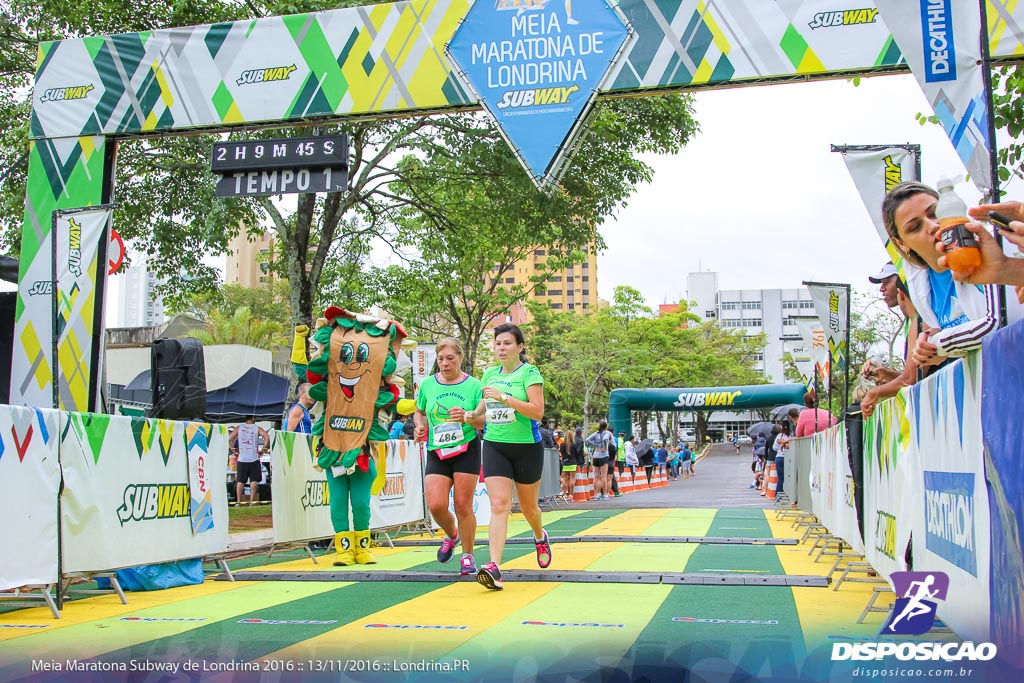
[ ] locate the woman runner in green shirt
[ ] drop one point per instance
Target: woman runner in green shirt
(512, 406)
(453, 449)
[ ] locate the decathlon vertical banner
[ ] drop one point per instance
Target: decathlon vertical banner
(400, 501)
(423, 359)
(814, 337)
(29, 484)
(1001, 401)
(299, 490)
(941, 41)
(832, 304)
(951, 520)
(875, 171)
(126, 497)
(79, 271)
(888, 488)
(200, 441)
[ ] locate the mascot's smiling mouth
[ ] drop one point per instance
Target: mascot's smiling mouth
(348, 385)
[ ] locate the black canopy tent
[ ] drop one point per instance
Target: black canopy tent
(257, 393)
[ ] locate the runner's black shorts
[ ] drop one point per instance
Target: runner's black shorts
(465, 463)
(598, 462)
(523, 463)
(249, 472)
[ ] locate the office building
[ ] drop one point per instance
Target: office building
(571, 289)
(250, 259)
(138, 303)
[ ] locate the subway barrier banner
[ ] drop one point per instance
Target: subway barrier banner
(1002, 402)
(888, 486)
(29, 485)
(80, 239)
(301, 509)
(832, 486)
(951, 521)
(400, 501)
(832, 304)
(941, 41)
(126, 499)
(875, 171)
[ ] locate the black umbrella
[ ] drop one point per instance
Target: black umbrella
(644, 447)
(783, 411)
(760, 428)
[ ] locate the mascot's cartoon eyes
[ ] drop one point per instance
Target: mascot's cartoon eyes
(362, 353)
(345, 354)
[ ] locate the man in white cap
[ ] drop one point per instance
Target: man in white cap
(887, 278)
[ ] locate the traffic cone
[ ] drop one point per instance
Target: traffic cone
(625, 482)
(579, 487)
(773, 482)
(590, 483)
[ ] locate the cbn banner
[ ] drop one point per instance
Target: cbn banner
(832, 486)
(29, 485)
(127, 499)
(941, 41)
(813, 333)
(832, 304)
(889, 487)
(875, 171)
(302, 500)
(951, 527)
(80, 239)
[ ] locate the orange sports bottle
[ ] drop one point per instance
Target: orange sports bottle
(962, 254)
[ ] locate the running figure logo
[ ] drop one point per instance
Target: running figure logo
(914, 612)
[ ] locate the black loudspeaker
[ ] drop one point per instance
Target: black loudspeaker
(179, 379)
(8, 301)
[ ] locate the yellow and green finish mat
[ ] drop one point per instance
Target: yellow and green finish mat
(383, 630)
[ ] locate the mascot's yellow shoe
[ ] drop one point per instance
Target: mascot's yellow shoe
(362, 548)
(343, 545)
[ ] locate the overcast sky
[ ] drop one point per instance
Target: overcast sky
(758, 197)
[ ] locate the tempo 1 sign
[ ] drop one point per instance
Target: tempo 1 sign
(283, 181)
(267, 167)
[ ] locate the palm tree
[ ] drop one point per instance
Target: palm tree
(240, 328)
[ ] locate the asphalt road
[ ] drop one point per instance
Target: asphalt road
(722, 480)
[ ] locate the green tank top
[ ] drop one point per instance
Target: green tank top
(504, 424)
(435, 399)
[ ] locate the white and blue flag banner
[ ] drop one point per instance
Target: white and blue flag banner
(941, 41)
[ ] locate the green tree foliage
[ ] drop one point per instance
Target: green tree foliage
(1008, 98)
(268, 303)
(473, 214)
(241, 327)
(625, 345)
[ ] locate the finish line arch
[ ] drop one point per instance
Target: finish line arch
(372, 61)
(621, 402)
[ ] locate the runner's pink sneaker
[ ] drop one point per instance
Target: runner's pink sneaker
(543, 551)
(447, 549)
(466, 565)
(489, 577)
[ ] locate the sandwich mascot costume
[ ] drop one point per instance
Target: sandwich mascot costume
(349, 371)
